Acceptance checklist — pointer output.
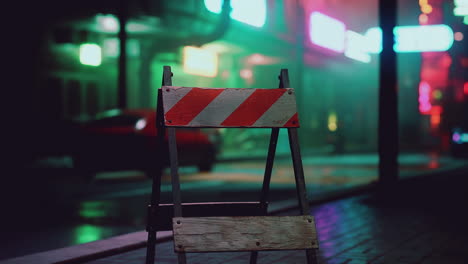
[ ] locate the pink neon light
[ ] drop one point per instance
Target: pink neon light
(425, 108)
(465, 88)
(423, 98)
(424, 88)
(425, 105)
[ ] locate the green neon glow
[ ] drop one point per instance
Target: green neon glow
(465, 20)
(437, 94)
(423, 38)
(90, 54)
(90, 210)
(200, 61)
(87, 233)
(111, 47)
(356, 47)
(464, 138)
(108, 23)
(460, 11)
(252, 12)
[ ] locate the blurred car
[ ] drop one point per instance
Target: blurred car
(459, 142)
(126, 140)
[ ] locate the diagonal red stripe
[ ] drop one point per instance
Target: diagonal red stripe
(253, 107)
(293, 121)
(187, 108)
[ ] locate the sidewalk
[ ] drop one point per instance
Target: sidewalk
(424, 226)
(425, 222)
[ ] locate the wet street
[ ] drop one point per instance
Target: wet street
(66, 210)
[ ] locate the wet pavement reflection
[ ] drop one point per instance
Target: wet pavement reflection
(74, 211)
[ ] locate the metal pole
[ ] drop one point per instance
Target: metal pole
(122, 83)
(388, 104)
(156, 186)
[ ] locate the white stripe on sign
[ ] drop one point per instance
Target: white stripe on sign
(280, 112)
(170, 101)
(221, 107)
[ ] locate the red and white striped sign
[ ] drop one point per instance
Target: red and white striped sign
(229, 107)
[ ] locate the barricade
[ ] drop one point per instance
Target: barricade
(229, 226)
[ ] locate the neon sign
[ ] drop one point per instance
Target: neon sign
(327, 32)
(423, 38)
(356, 47)
(251, 12)
(331, 33)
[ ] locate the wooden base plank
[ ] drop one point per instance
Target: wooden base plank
(245, 233)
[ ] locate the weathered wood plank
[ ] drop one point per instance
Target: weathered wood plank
(229, 107)
(247, 233)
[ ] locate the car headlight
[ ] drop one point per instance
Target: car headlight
(140, 124)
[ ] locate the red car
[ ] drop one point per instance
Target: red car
(126, 140)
